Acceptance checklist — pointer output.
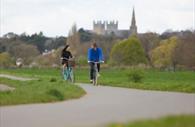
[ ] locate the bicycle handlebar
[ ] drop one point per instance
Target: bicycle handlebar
(95, 62)
(63, 58)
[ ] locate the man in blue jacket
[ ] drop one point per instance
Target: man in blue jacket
(94, 55)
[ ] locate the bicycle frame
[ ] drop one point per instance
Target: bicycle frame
(67, 73)
(95, 73)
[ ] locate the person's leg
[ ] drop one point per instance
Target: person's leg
(65, 71)
(91, 70)
(98, 67)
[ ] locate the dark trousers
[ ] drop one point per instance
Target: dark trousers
(92, 69)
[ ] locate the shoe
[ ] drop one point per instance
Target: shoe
(91, 81)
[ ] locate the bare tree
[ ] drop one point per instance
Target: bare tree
(185, 52)
(74, 40)
(149, 41)
(25, 51)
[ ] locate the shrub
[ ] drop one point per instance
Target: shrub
(136, 75)
(56, 93)
(53, 80)
(5, 59)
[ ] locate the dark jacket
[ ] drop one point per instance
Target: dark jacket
(66, 55)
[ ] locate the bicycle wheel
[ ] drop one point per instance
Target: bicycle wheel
(94, 82)
(65, 74)
(95, 77)
(72, 77)
(62, 73)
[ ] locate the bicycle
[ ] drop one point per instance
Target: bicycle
(67, 71)
(95, 72)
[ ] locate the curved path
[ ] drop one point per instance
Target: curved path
(100, 106)
(15, 77)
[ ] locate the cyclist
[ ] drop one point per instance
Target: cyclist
(66, 55)
(95, 54)
(67, 64)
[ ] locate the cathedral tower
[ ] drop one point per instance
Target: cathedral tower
(99, 27)
(133, 27)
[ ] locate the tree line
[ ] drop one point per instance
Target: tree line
(27, 47)
(170, 50)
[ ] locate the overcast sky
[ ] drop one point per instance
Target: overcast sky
(55, 17)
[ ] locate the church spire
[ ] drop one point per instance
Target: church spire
(133, 22)
(133, 27)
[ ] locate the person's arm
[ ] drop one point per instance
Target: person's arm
(89, 54)
(101, 56)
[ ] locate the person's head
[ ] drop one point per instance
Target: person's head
(94, 46)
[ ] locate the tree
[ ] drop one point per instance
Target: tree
(128, 52)
(25, 51)
(38, 40)
(74, 40)
(5, 59)
(164, 55)
(85, 36)
(149, 41)
(51, 59)
(185, 50)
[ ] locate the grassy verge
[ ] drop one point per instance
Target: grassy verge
(34, 72)
(181, 81)
(48, 88)
(172, 121)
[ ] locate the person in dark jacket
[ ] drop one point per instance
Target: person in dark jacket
(66, 55)
(94, 55)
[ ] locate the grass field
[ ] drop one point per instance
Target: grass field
(181, 81)
(172, 121)
(48, 88)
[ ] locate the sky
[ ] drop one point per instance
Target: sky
(55, 17)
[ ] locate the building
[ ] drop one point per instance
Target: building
(111, 28)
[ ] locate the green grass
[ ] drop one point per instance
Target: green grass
(34, 72)
(48, 88)
(172, 121)
(180, 81)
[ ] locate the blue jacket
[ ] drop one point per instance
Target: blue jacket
(95, 55)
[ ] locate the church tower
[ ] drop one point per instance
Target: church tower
(133, 27)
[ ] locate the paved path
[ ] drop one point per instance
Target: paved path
(15, 77)
(100, 106)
